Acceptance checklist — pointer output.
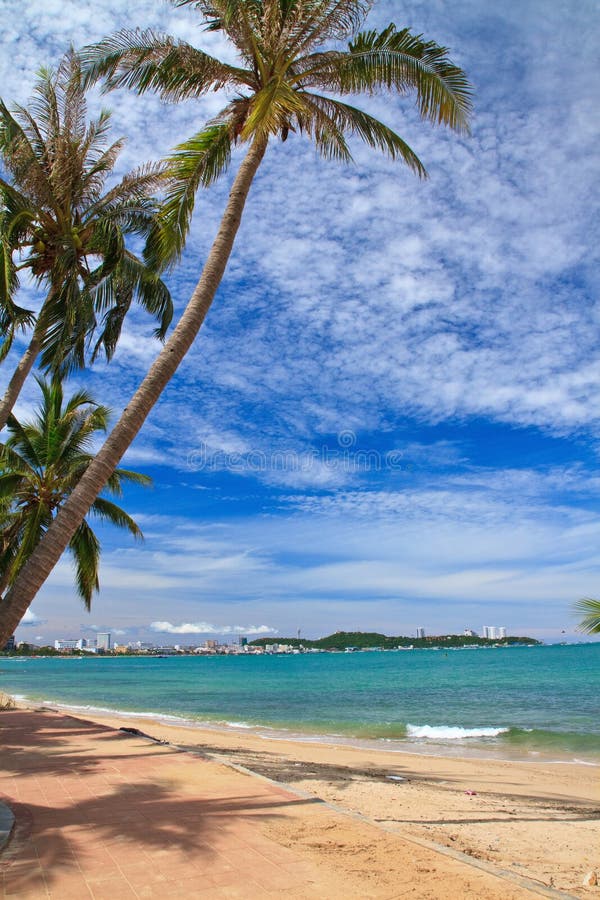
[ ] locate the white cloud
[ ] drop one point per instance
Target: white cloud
(30, 618)
(207, 628)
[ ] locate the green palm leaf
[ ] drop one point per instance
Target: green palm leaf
(85, 548)
(115, 295)
(112, 513)
(198, 161)
(9, 482)
(402, 61)
(148, 61)
(114, 483)
(41, 464)
(348, 119)
(590, 610)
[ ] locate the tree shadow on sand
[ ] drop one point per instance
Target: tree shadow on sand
(111, 811)
(53, 744)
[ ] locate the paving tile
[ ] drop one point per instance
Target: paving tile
(272, 878)
(97, 867)
(152, 892)
(35, 894)
(29, 885)
(250, 890)
(138, 873)
(133, 821)
(70, 889)
(117, 890)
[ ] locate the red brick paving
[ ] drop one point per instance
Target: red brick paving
(105, 815)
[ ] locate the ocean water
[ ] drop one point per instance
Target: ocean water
(521, 702)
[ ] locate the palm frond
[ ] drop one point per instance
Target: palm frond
(9, 283)
(148, 289)
(92, 171)
(69, 319)
(114, 483)
(112, 513)
(9, 482)
(324, 20)
(197, 162)
(590, 610)
(349, 120)
(146, 61)
(30, 525)
(241, 21)
(132, 280)
(135, 186)
(93, 144)
(323, 128)
(85, 548)
(403, 62)
(27, 167)
(40, 465)
(271, 109)
(20, 442)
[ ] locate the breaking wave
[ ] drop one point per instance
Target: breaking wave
(451, 733)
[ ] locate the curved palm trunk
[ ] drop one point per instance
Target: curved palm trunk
(56, 539)
(23, 369)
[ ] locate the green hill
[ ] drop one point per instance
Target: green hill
(372, 640)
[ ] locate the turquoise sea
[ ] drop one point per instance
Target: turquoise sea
(522, 702)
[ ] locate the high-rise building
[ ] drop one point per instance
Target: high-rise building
(103, 640)
(420, 632)
(10, 644)
(494, 632)
(70, 644)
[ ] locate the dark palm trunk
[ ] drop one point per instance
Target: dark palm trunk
(56, 539)
(23, 369)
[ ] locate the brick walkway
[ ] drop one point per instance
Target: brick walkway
(101, 814)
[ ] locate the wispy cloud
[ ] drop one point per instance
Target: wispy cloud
(207, 628)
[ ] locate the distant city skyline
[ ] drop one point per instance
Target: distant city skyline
(391, 419)
(105, 642)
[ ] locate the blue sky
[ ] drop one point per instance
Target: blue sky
(391, 418)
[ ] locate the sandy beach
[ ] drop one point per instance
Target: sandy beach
(453, 822)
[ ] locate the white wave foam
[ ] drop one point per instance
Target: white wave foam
(451, 733)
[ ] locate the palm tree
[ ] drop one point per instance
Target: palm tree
(282, 67)
(590, 610)
(56, 223)
(40, 465)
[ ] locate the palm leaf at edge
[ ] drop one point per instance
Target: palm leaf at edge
(590, 609)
